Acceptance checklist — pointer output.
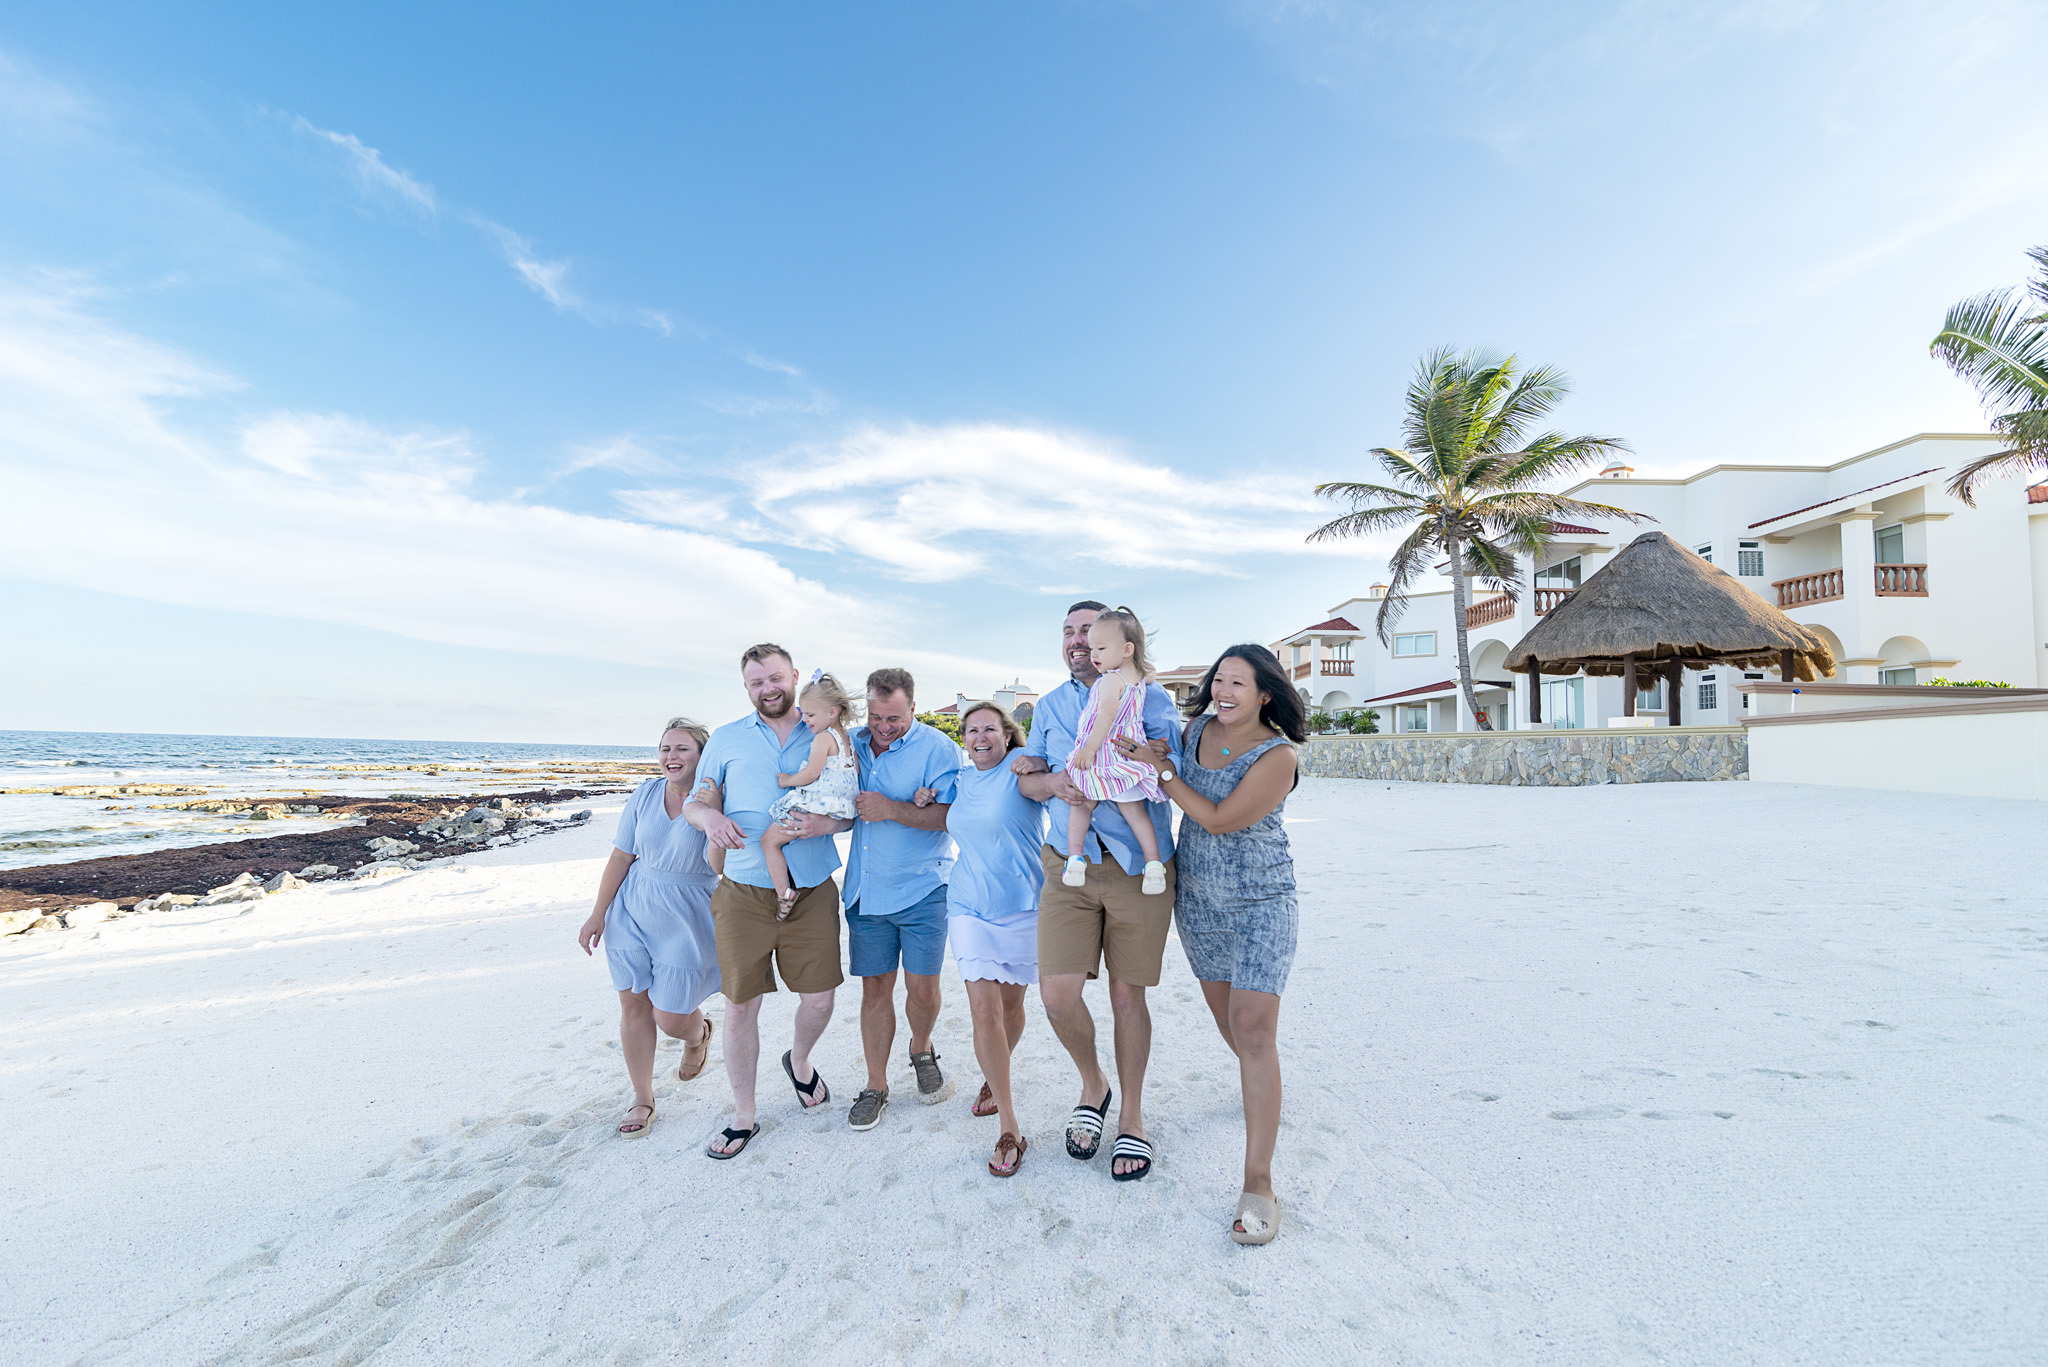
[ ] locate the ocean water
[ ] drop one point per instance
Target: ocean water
(52, 828)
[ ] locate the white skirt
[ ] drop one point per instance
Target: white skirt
(1001, 949)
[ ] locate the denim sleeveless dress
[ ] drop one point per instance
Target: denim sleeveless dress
(1233, 901)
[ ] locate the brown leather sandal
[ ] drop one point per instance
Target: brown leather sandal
(1012, 1145)
(686, 1073)
(985, 1102)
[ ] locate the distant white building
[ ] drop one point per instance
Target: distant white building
(1904, 581)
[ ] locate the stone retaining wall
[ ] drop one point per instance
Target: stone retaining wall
(1543, 759)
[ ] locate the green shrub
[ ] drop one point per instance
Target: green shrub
(1365, 723)
(1938, 682)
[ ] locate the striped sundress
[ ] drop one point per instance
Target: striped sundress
(1115, 777)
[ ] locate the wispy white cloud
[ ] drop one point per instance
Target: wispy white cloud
(624, 453)
(380, 182)
(369, 525)
(376, 179)
(931, 504)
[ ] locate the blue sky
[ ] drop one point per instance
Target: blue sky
(417, 371)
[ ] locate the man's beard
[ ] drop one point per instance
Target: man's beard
(775, 711)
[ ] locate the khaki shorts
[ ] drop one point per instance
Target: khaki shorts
(805, 947)
(1106, 921)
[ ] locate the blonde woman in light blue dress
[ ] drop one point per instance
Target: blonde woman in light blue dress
(653, 915)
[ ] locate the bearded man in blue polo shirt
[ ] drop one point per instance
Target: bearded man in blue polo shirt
(896, 885)
(736, 785)
(1108, 924)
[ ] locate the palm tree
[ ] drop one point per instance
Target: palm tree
(1992, 342)
(1464, 486)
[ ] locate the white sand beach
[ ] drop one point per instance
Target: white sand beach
(1686, 1073)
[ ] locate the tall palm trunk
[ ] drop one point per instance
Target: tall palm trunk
(1458, 595)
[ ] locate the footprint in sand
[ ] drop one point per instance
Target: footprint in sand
(1590, 1113)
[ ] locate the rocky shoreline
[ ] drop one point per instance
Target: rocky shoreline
(385, 835)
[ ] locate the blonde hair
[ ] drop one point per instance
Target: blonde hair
(1127, 624)
(700, 734)
(833, 692)
(1012, 733)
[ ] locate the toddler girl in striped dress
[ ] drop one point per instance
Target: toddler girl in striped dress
(1115, 709)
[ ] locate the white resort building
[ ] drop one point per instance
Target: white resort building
(1905, 582)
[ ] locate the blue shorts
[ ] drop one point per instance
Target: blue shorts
(914, 937)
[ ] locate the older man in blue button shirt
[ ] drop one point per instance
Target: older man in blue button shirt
(896, 884)
(1108, 922)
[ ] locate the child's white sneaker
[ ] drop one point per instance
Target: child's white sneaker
(1077, 872)
(1155, 879)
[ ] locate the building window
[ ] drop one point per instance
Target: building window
(1650, 697)
(1564, 575)
(1749, 557)
(1339, 650)
(1415, 718)
(1896, 676)
(1564, 703)
(1891, 545)
(1750, 678)
(1415, 643)
(1705, 552)
(1710, 694)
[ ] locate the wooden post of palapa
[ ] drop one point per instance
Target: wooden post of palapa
(1535, 692)
(1674, 674)
(1628, 685)
(1788, 670)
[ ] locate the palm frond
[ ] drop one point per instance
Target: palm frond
(1533, 396)
(1991, 342)
(1364, 522)
(1409, 559)
(2015, 462)
(1552, 454)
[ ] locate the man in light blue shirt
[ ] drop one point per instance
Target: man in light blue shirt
(896, 885)
(736, 785)
(1106, 923)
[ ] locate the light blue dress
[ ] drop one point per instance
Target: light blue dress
(657, 932)
(1233, 898)
(992, 900)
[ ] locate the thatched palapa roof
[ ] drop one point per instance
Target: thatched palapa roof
(1657, 600)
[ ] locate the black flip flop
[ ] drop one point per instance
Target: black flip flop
(745, 1137)
(806, 1094)
(1089, 1118)
(1129, 1146)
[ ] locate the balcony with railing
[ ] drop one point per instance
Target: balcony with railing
(1902, 581)
(1334, 665)
(1301, 671)
(1802, 590)
(1825, 586)
(1546, 599)
(1487, 611)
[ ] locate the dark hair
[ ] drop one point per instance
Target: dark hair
(1282, 712)
(1088, 603)
(883, 682)
(759, 654)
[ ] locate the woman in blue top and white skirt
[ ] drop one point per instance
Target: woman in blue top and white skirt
(1233, 899)
(992, 909)
(653, 913)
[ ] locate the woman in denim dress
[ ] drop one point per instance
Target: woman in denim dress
(1234, 903)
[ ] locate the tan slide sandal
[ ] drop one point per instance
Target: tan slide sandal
(1258, 1220)
(686, 1073)
(630, 1128)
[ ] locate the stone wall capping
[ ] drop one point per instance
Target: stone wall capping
(1545, 759)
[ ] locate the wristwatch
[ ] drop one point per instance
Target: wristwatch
(1166, 775)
